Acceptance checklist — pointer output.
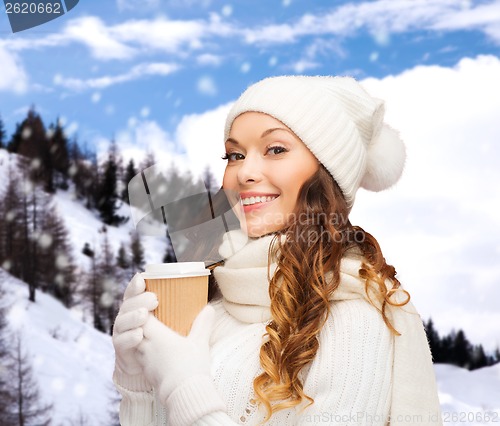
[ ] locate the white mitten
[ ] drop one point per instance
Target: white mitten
(128, 334)
(178, 367)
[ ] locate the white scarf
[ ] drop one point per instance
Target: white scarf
(244, 284)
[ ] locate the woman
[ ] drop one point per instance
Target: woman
(309, 324)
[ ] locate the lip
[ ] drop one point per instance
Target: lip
(256, 206)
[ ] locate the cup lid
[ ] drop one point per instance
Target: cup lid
(175, 270)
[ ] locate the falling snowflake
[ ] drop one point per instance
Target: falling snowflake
(96, 97)
(227, 10)
(45, 240)
(132, 122)
(106, 300)
(73, 169)
(58, 384)
(10, 216)
(27, 186)
(206, 86)
(27, 132)
(80, 390)
(245, 67)
(62, 261)
(35, 163)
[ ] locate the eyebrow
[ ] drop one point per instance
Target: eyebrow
(264, 134)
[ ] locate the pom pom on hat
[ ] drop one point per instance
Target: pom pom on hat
(340, 123)
(386, 157)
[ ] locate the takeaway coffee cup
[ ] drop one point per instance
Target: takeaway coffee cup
(182, 290)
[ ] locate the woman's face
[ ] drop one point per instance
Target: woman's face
(266, 165)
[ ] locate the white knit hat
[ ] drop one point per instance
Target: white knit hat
(338, 121)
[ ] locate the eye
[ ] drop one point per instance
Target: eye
(233, 156)
(275, 150)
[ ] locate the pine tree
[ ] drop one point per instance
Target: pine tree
(148, 161)
(478, 358)
(169, 256)
(137, 261)
(109, 291)
(59, 154)
(57, 266)
(461, 350)
(434, 341)
(83, 172)
(6, 395)
(496, 355)
(11, 248)
(91, 291)
(28, 409)
(130, 173)
(32, 146)
(3, 134)
(15, 139)
(106, 194)
(209, 180)
(122, 260)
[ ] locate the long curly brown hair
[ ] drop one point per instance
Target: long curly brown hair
(300, 290)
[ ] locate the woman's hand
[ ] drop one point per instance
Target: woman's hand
(170, 360)
(127, 329)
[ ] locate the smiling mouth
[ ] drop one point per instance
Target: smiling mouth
(250, 201)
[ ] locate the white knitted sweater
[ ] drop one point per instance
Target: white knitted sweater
(361, 374)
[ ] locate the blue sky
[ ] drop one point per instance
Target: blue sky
(161, 75)
(107, 61)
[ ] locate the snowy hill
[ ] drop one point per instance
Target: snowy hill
(72, 361)
(467, 396)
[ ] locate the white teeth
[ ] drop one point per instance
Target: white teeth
(253, 200)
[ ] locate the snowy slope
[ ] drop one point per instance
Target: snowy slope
(73, 362)
(467, 396)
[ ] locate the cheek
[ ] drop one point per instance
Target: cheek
(229, 181)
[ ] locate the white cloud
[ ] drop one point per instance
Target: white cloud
(13, 77)
(209, 59)
(202, 138)
(206, 85)
(383, 18)
(128, 39)
(304, 65)
(137, 72)
(96, 97)
(99, 38)
(142, 136)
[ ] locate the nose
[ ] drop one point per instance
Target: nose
(250, 170)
